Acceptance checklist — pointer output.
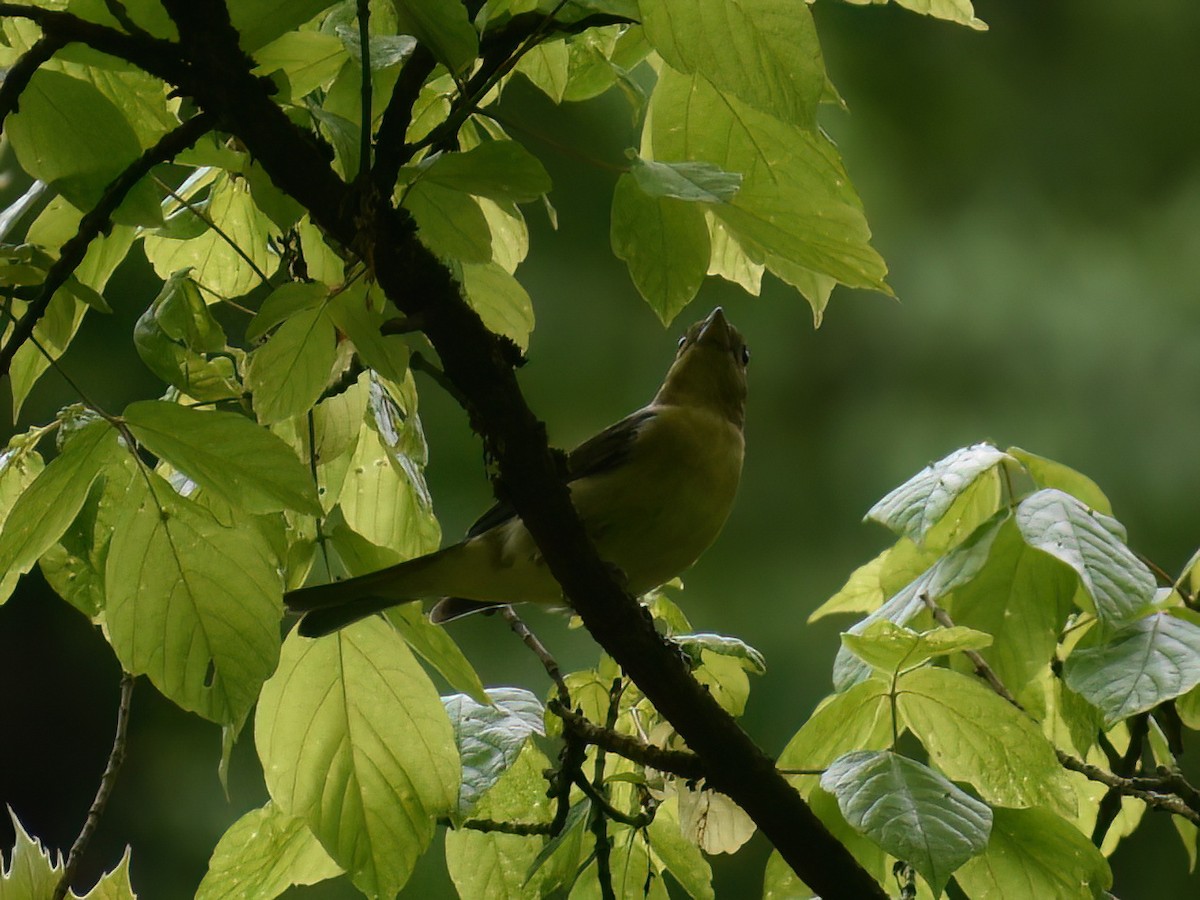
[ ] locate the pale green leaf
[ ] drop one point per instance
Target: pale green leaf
(874, 582)
(337, 420)
(443, 27)
(723, 645)
(69, 135)
(47, 507)
(798, 206)
(54, 332)
(724, 677)
(973, 735)
(949, 572)
(31, 871)
(358, 314)
(1120, 584)
(857, 719)
(499, 170)
(691, 181)
(495, 865)
(354, 740)
(765, 52)
(510, 235)
(449, 222)
(501, 301)
(227, 454)
(490, 737)
(711, 820)
(1155, 659)
(681, 857)
(435, 645)
(665, 244)
(921, 502)
(1034, 853)
(384, 50)
(261, 855)
(729, 259)
(114, 885)
(1046, 473)
(192, 603)
(216, 265)
(284, 302)
(910, 811)
(891, 648)
(19, 466)
(547, 66)
(288, 373)
(960, 11)
(1022, 598)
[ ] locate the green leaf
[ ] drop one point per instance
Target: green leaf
(730, 261)
(262, 854)
(434, 645)
(972, 735)
(191, 603)
(490, 737)
(501, 301)
(874, 582)
(499, 170)
(910, 811)
(69, 135)
(47, 507)
(857, 719)
(288, 373)
(921, 502)
(1034, 853)
(449, 222)
(114, 885)
(284, 302)
(1022, 598)
(547, 66)
(310, 60)
(495, 865)
(798, 206)
(765, 52)
(665, 244)
(54, 332)
(1046, 473)
(891, 648)
(1155, 659)
(217, 266)
(261, 21)
(384, 50)
(354, 740)
(711, 820)
(1092, 544)
(358, 314)
(691, 181)
(32, 871)
(227, 454)
(959, 11)
(736, 649)
(443, 27)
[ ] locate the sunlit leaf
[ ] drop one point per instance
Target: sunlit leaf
(501, 301)
(192, 603)
(499, 170)
(682, 858)
(288, 373)
(437, 648)
(354, 740)
(490, 737)
(890, 647)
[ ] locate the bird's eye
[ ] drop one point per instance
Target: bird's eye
(682, 340)
(745, 355)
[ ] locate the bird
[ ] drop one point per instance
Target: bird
(653, 492)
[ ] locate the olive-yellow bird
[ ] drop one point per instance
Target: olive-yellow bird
(653, 492)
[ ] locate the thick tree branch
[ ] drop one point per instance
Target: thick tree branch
(95, 221)
(675, 762)
(481, 365)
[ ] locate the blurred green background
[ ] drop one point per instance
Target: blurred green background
(1036, 192)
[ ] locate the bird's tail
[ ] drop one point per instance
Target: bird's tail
(328, 607)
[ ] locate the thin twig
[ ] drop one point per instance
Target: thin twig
(599, 823)
(1110, 804)
(95, 221)
(107, 780)
(1128, 786)
(981, 665)
(364, 46)
(600, 801)
(495, 826)
(117, 10)
(531, 640)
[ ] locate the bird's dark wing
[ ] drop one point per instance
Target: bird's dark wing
(599, 453)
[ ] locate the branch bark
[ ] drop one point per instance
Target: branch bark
(218, 78)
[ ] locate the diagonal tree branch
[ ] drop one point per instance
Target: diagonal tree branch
(480, 364)
(95, 221)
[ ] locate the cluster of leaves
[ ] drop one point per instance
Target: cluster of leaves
(1008, 565)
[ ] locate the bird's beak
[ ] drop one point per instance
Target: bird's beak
(714, 324)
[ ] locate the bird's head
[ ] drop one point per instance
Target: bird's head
(709, 369)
